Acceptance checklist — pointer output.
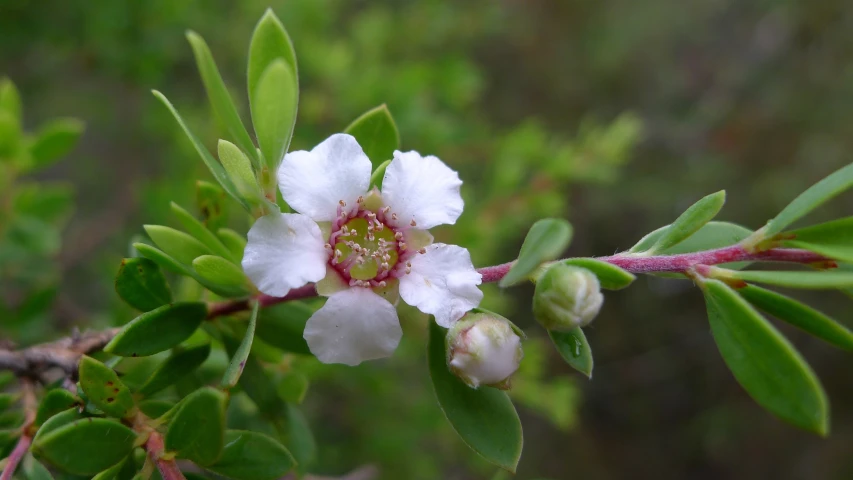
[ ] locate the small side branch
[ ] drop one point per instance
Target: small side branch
(28, 399)
(167, 466)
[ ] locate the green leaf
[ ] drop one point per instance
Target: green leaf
(215, 167)
(34, 470)
(160, 258)
(86, 446)
(297, 437)
(7, 399)
(112, 472)
(609, 276)
(54, 141)
(269, 43)
(818, 280)
(178, 365)
(10, 137)
(10, 99)
(141, 284)
(379, 174)
(239, 168)
(195, 228)
(155, 408)
(158, 330)
(545, 241)
(764, 362)
(689, 222)
(218, 95)
(282, 326)
(177, 244)
(712, 235)
(812, 198)
(255, 382)
(104, 388)
(235, 242)
(210, 201)
(252, 456)
(57, 421)
(55, 401)
(800, 315)
(238, 360)
(292, 387)
(484, 418)
(377, 134)
(832, 239)
(574, 349)
(220, 271)
(197, 430)
(274, 102)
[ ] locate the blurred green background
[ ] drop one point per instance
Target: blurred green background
(614, 114)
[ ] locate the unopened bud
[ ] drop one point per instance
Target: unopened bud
(483, 349)
(566, 297)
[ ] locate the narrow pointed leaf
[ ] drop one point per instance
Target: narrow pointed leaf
(574, 349)
(239, 169)
(252, 456)
(153, 408)
(211, 204)
(379, 174)
(86, 446)
(818, 280)
(235, 242)
(813, 197)
(609, 276)
(141, 284)
(832, 239)
(54, 141)
(217, 93)
(800, 315)
(219, 271)
(161, 258)
(177, 244)
(214, 166)
(255, 382)
(34, 470)
(689, 222)
(201, 233)
(104, 388)
(238, 360)
(546, 240)
(767, 366)
(178, 365)
(484, 418)
(158, 330)
(197, 429)
(112, 472)
(712, 235)
(274, 103)
(10, 99)
(269, 42)
(377, 133)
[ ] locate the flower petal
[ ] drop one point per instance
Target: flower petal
(314, 182)
(284, 251)
(443, 282)
(422, 189)
(353, 326)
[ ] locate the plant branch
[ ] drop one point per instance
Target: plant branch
(167, 466)
(28, 399)
(66, 353)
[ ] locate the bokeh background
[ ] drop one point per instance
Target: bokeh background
(615, 114)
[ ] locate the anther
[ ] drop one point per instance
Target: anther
(402, 246)
(360, 199)
(413, 223)
(393, 216)
(342, 203)
(327, 246)
(398, 236)
(422, 251)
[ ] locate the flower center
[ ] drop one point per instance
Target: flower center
(365, 250)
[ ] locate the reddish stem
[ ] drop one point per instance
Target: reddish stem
(168, 468)
(16, 456)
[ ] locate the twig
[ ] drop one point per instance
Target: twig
(28, 399)
(66, 353)
(167, 466)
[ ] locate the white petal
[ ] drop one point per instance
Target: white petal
(353, 326)
(284, 251)
(314, 182)
(443, 282)
(423, 189)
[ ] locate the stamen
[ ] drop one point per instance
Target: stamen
(342, 203)
(398, 236)
(402, 246)
(422, 251)
(393, 216)
(413, 223)
(327, 246)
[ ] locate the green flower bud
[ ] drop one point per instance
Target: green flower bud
(483, 349)
(566, 297)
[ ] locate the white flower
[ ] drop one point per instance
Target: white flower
(357, 244)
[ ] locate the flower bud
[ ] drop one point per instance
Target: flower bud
(566, 297)
(483, 349)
